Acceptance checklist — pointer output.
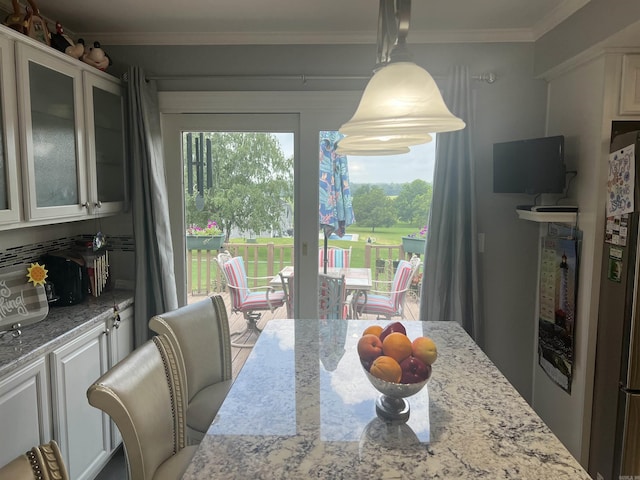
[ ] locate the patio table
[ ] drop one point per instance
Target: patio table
(358, 281)
(293, 414)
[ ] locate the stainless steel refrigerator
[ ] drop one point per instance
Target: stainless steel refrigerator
(615, 426)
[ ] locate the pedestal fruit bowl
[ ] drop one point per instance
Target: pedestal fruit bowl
(397, 367)
(391, 405)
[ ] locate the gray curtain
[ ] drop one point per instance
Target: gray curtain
(155, 280)
(450, 285)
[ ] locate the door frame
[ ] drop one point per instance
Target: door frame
(314, 111)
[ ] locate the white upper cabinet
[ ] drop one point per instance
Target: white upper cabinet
(104, 110)
(62, 136)
(51, 111)
(630, 87)
(9, 174)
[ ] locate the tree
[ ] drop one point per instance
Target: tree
(251, 180)
(372, 208)
(414, 201)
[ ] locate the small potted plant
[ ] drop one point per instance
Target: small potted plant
(415, 242)
(209, 237)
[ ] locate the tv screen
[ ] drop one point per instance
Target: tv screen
(529, 166)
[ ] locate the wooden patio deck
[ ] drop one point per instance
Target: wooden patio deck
(237, 323)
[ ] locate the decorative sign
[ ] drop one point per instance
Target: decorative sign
(621, 181)
(20, 301)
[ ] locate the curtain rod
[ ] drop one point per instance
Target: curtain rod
(484, 77)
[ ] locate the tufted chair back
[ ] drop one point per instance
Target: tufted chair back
(43, 462)
(144, 394)
(199, 333)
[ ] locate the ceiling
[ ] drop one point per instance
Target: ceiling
(198, 22)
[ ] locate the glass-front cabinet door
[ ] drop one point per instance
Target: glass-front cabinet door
(52, 137)
(105, 144)
(9, 175)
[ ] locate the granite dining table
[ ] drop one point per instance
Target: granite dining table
(302, 408)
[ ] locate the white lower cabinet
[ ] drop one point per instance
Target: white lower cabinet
(47, 399)
(120, 345)
(25, 418)
(83, 432)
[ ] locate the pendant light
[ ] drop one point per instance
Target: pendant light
(401, 104)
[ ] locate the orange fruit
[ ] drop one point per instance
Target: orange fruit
(397, 346)
(387, 369)
(373, 329)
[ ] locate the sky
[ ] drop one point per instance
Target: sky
(405, 168)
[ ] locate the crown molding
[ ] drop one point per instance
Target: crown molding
(305, 38)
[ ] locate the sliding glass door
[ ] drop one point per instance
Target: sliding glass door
(231, 180)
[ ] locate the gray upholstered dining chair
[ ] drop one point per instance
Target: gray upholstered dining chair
(43, 462)
(200, 334)
(145, 396)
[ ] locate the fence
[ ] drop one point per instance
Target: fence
(266, 260)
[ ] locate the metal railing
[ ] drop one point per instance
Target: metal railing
(266, 260)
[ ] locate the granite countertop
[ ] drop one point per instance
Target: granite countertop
(61, 324)
(302, 408)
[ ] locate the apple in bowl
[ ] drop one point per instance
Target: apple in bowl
(414, 370)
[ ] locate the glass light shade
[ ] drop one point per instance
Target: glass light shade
(401, 99)
(371, 152)
(380, 145)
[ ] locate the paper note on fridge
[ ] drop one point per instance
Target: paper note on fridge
(621, 181)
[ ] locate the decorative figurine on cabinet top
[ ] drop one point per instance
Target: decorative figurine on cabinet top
(96, 57)
(62, 42)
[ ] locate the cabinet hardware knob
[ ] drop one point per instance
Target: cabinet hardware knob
(98, 204)
(106, 331)
(85, 205)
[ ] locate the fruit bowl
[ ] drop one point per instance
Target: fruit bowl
(391, 405)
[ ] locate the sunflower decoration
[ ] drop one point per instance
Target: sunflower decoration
(37, 274)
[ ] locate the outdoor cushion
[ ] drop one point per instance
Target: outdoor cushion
(242, 297)
(389, 305)
(336, 257)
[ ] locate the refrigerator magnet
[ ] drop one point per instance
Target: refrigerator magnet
(614, 271)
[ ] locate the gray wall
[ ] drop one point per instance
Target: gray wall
(511, 108)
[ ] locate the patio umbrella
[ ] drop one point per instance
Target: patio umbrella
(336, 208)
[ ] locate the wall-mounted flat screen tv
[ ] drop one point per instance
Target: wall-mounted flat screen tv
(530, 166)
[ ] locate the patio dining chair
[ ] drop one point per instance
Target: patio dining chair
(251, 302)
(332, 297)
(336, 257)
(388, 304)
(287, 288)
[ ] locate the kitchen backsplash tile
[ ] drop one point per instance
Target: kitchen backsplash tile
(31, 252)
